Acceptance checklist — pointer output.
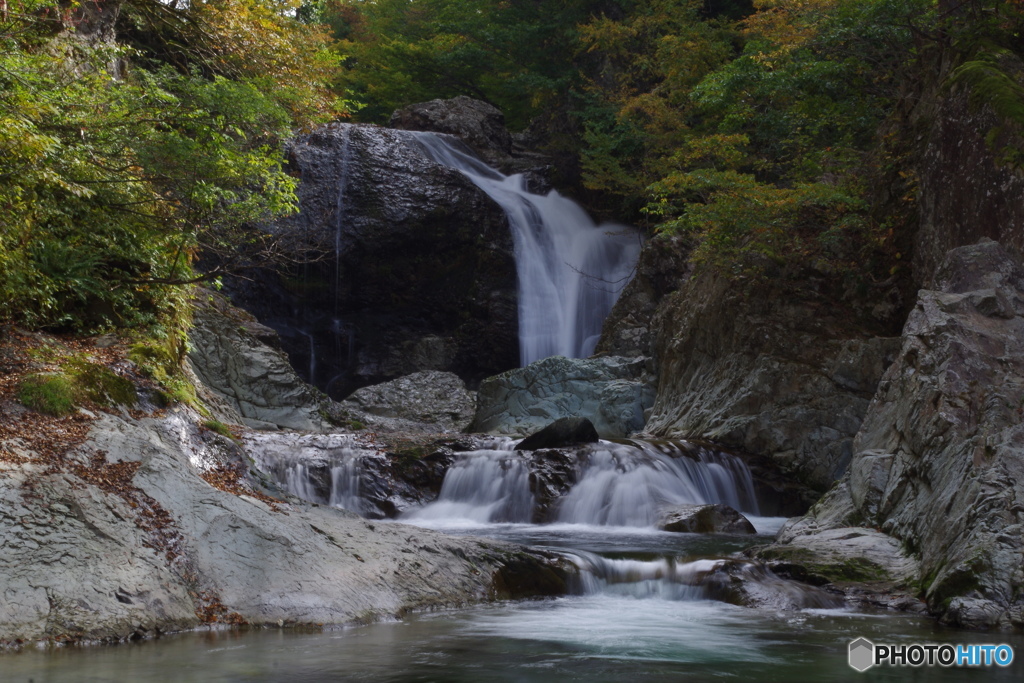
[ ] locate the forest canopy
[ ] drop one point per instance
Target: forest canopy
(137, 134)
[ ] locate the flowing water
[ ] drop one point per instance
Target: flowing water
(641, 610)
(570, 270)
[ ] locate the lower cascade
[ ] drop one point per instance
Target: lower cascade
(599, 505)
(623, 485)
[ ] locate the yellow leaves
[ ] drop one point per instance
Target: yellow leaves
(787, 24)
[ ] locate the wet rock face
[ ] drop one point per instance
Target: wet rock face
(705, 519)
(418, 271)
(478, 124)
(770, 373)
(612, 392)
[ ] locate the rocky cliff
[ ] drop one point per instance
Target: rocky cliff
(937, 463)
(417, 271)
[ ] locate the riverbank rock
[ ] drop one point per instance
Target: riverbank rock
(612, 392)
(418, 270)
(431, 401)
(781, 374)
(150, 541)
(245, 378)
(705, 519)
(938, 464)
(565, 431)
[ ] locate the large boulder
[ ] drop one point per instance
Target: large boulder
(714, 518)
(418, 270)
(243, 377)
(565, 431)
(788, 375)
(429, 401)
(609, 391)
(939, 460)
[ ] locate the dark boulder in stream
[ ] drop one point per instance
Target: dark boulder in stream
(713, 518)
(565, 431)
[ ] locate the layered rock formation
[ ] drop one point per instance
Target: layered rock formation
(170, 550)
(783, 376)
(938, 463)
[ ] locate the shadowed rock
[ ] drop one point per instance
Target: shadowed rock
(706, 519)
(566, 431)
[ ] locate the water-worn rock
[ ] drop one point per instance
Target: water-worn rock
(785, 375)
(160, 548)
(610, 391)
(716, 518)
(246, 380)
(479, 124)
(430, 401)
(482, 127)
(938, 462)
(419, 275)
(565, 431)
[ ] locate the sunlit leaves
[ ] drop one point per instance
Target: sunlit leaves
(114, 177)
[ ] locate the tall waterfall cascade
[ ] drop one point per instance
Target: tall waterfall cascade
(570, 270)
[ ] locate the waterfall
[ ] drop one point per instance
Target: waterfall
(570, 271)
(486, 486)
(324, 469)
(626, 485)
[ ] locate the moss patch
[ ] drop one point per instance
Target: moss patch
(102, 386)
(821, 569)
(49, 393)
(220, 428)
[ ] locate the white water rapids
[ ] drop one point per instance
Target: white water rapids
(570, 270)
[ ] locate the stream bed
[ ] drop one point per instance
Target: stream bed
(641, 608)
(633, 634)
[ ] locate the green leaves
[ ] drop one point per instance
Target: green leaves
(111, 182)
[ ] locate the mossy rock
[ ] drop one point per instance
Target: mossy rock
(51, 393)
(817, 569)
(101, 385)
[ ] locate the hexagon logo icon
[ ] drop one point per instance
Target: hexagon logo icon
(862, 654)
